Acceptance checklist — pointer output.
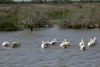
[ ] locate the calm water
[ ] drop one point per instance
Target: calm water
(31, 55)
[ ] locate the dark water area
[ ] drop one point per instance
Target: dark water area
(31, 55)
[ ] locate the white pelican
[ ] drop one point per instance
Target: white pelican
(53, 42)
(44, 44)
(94, 40)
(48, 43)
(5, 44)
(15, 44)
(82, 45)
(64, 44)
(90, 43)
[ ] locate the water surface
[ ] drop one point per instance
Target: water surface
(31, 55)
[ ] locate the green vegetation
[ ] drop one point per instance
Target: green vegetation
(75, 16)
(57, 13)
(85, 17)
(34, 17)
(6, 1)
(9, 19)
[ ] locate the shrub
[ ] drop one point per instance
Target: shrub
(86, 17)
(64, 23)
(9, 19)
(57, 13)
(34, 17)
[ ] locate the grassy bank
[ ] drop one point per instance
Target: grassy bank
(86, 16)
(74, 16)
(16, 18)
(9, 19)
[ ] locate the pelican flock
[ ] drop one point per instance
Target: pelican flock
(13, 45)
(65, 43)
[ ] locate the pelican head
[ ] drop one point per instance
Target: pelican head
(82, 40)
(43, 42)
(65, 40)
(54, 39)
(94, 37)
(18, 42)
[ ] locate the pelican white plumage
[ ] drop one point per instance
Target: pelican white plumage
(64, 44)
(15, 44)
(82, 45)
(5, 44)
(94, 40)
(90, 43)
(47, 43)
(53, 42)
(44, 44)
